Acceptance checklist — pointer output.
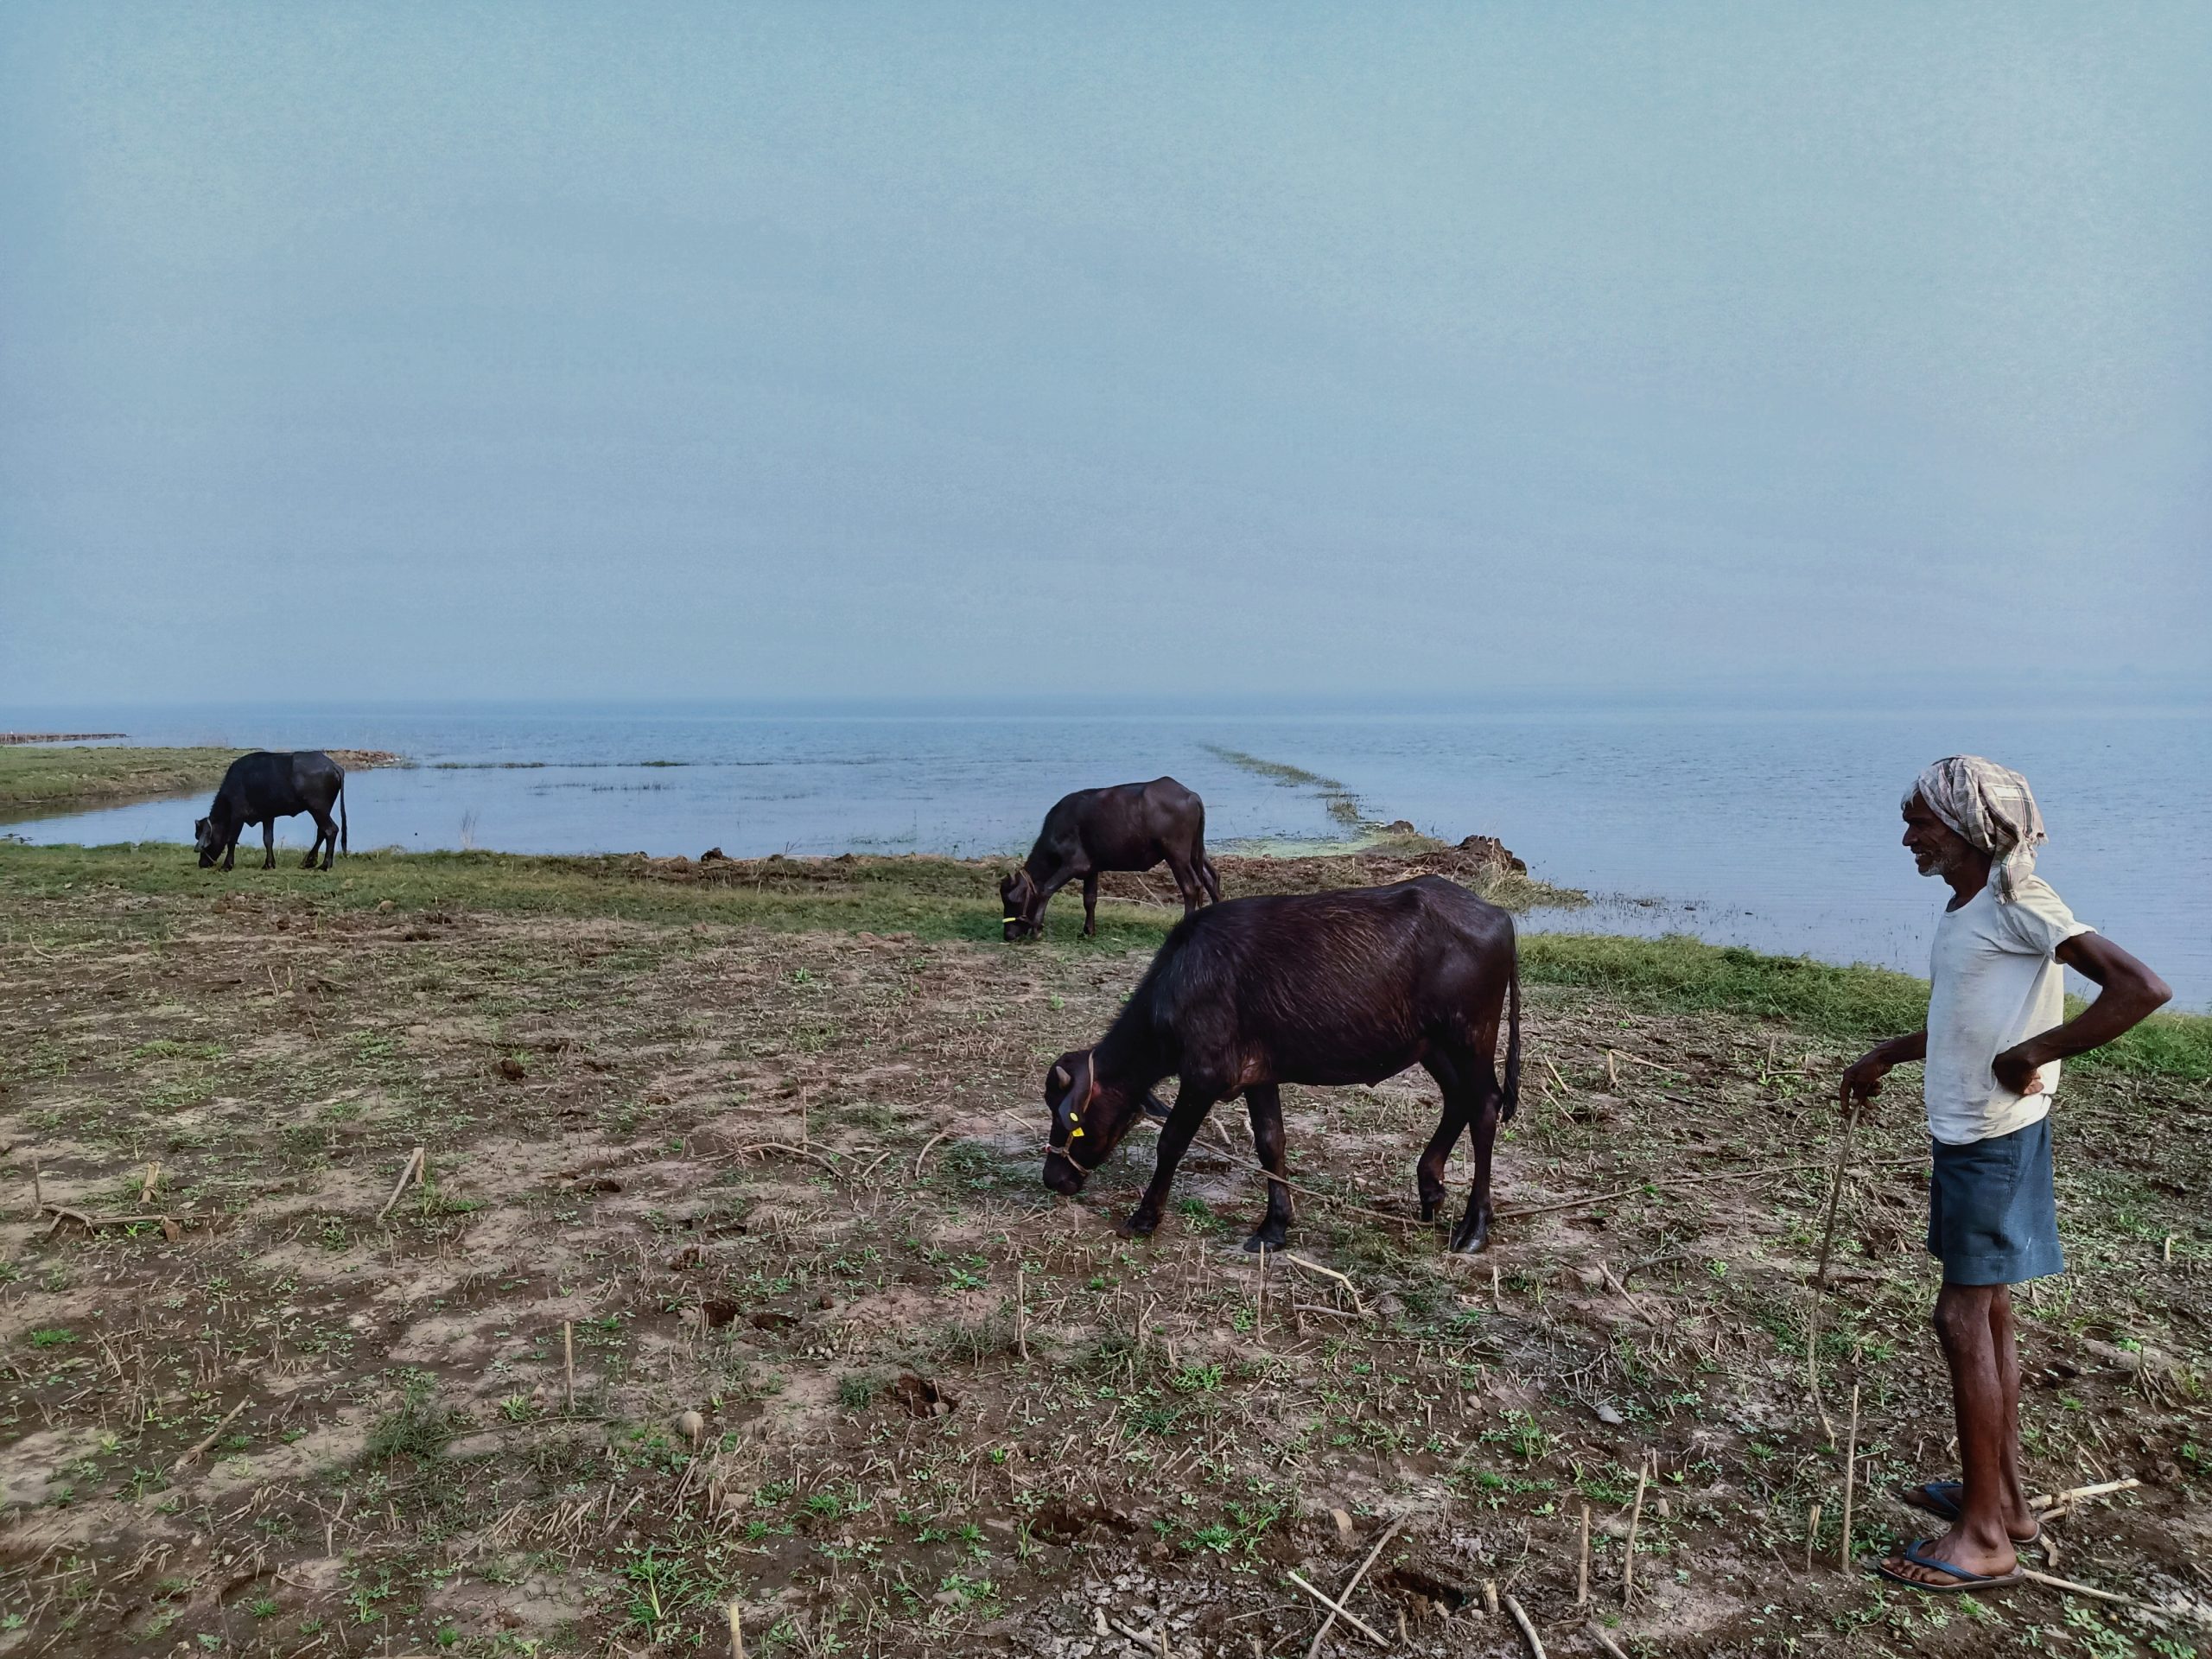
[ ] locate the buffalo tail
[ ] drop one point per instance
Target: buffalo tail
(342, 847)
(1513, 1038)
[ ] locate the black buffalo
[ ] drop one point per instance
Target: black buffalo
(261, 788)
(1128, 827)
(1349, 986)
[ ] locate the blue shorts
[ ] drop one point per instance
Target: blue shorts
(1992, 1218)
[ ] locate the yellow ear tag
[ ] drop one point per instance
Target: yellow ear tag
(1075, 1133)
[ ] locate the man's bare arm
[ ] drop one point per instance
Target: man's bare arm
(2127, 994)
(1864, 1080)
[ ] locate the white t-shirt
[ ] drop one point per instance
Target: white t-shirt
(1994, 982)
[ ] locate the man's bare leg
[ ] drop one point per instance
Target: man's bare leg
(2020, 1521)
(1985, 1396)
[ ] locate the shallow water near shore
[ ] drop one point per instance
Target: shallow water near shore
(1774, 829)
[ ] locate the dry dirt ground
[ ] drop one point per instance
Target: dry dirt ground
(788, 1183)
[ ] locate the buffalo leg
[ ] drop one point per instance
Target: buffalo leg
(269, 842)
(1473, 1231)
(230, 848)
(1192, 1104)
(1264, 1102)
(1208, 875)
(1091, 907)
(1429, 1171)
(326, 841)
(1044, 892)
(1187, 883)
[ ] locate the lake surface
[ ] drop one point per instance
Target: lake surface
(1777, 830)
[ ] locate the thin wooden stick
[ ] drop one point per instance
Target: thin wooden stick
(2102, 1489)
(1313, 1650)
(1813, 1366)
(1850, 1480)
(1605, 1641)
(569, 1359)
(87, 1222)
(736, 1632)
(1835, 1195)
(1338, 1609)
(2052, 1582)
(1527, 1630)
(1315, 1266)
(1137, 1637)
(146, 1186)
(1021, 1308)
(1582, 1577)
(1260, 1298)
(1634, 1518)
(412, 1168)
(742, 1148)
(1820, 1280)
(926, 1150)
(1812, 1536)
(38, 1189)
(192, 1451)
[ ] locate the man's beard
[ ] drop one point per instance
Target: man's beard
(1940, 863)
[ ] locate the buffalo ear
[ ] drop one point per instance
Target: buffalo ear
(1060, 1079)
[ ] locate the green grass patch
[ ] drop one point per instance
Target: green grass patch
(944, 898)
(37, 778)
(1856, 1004)
(34, 777)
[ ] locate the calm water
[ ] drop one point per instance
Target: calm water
(1776, 830)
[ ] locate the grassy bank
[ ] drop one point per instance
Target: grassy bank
(59, 777)
(37, 777)
(730, 1277)
(945, 899)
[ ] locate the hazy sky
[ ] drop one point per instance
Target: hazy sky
(528, 350)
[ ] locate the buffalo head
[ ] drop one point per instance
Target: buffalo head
(1090, 1119)
(1021, 900)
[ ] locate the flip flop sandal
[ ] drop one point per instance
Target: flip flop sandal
(1940, 1498)
(1967, 1583)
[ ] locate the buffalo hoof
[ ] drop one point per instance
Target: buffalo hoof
(1139, 1225)
(1264, 1240)
(1429, 1207)
(1470, 1241)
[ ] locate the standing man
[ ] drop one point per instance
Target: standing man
(1996, 1033)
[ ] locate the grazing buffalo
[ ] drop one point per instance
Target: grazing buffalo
(1128, 827)
(261, 788)
(1349, 986)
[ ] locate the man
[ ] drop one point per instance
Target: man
(1995, 1036)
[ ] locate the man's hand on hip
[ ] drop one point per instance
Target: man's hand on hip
(2018, 1070)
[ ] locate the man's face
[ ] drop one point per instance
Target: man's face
(1936, 848)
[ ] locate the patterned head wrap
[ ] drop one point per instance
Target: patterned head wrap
(1992, 807)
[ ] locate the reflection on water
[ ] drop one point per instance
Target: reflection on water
(1777, 831)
